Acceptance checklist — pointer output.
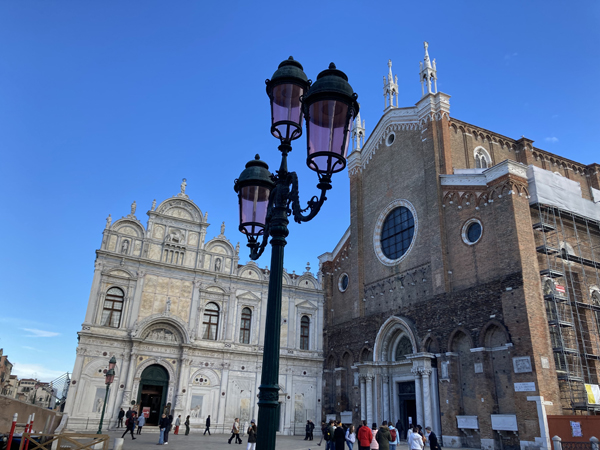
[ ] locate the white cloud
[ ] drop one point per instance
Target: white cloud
(552, 139)
(39, 333)
(31, 348)
(35, 371)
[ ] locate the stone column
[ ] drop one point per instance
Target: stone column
(369, 398)
(426, 397)
(91, 313)
(386, 397)
(418, 396)
(181, 385)
(128, 381)
(193, 322)
(363, 399)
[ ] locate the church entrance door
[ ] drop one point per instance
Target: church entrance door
(407, 405)
(153, 389)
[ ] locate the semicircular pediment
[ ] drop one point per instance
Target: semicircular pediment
(163, 333)
(180, 208)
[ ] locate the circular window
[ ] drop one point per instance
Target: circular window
(472, 231)
(390, 139)
(343, 282)
(395, 232)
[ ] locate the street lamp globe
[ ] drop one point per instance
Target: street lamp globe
(112, 363)
(329, 107)
(285, 88)
(254, 188)
(110, 376)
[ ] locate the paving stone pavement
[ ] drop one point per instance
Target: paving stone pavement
(197, 441)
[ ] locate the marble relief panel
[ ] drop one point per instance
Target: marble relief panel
(112, 243)
(193, 238)
(154, 252)
(138, 248)
(159, 232)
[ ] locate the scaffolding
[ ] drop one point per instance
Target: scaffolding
(568, 246)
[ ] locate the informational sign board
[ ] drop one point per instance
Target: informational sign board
(560, 289)
(467, 422)
(576, 429)
(504, 422)
(525, 387)
(146, 411)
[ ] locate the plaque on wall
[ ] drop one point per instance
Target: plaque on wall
(525, 387)
(545, 362)
(522, 364)
(467, 422)
(504, 422)
(478, 367)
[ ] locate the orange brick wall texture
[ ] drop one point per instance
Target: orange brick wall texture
(469, 294)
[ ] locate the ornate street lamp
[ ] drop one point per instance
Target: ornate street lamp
(109, 378)
(266, 200)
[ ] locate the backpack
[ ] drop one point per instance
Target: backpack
(128, 422)
(328, 434)
(394, 434)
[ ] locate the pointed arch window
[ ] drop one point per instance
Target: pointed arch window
(304, 332)
(245, 325)
(404, 348)
(113, 308)
(211, 322)
(482, 159)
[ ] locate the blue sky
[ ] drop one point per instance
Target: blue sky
(106, 102)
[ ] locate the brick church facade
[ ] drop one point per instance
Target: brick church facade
(465, 295)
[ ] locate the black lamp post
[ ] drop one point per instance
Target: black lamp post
(109, 378)
(266, 200)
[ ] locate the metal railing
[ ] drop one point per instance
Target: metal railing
(73, 441)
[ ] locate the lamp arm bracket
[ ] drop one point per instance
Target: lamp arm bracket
(313, 205)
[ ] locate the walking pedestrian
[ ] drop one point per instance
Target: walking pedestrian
(384, 436)
(162, 426)
(433, 440)
(187, 425)
(120, 417)
(141, 423)
(252, 436)
(177, 424)
(364, 435)
(374, 430)
(129, 424)
(168, 428)
(323, 431)
(207, 425)
(350, 437)
(235, 432)
(395, 436)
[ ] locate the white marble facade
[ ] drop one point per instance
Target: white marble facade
(164, 279)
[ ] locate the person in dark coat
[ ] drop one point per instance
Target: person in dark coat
(433, 440)
(130, 425)
(312, 427)
(207, 425)
(400, 429)
(307, 430)
(384, 436)
(162, 425)
(168, 428)
(339, 436)
(252, 436)
(120, 417)
(187, 425)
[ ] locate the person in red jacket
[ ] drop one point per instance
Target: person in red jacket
(364, 436)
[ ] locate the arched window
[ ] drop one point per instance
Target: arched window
(211, 321)
(304, 332)
(245, 326)
(113, 307)
(482, 159)
(404, 348)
